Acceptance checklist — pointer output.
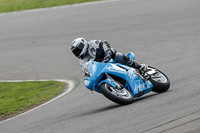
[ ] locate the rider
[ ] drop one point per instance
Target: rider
(100, 51)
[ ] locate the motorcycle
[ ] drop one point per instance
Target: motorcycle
(120, 83)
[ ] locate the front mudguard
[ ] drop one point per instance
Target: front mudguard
(109, 81)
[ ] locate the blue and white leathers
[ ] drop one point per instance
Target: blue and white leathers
(134, 83)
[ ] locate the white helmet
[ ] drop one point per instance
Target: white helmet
(79, 47)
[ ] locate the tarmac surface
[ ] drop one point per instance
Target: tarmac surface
(162, 33)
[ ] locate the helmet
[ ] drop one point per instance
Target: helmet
(79, 47)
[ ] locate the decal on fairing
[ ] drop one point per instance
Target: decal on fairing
(116, 69)
(87, 83)
(132, 76)
(148, 84)
(94, 69)
(139, 86)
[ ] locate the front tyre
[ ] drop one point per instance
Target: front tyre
(160, 81)
(120, 96)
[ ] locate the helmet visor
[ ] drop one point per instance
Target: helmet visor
(78, 50)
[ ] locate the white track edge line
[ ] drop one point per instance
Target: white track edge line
(70, 88)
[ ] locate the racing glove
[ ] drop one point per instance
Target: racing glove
(107, 57)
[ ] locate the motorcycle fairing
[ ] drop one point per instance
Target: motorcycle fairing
(134, 83)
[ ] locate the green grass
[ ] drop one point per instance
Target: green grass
(16, 5)
(16, 97)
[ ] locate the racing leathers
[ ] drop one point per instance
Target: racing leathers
(101, 51)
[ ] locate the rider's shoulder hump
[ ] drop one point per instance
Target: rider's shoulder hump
(92, 42)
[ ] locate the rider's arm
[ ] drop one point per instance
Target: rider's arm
(107, 50)
(105, 45)
(84, 65)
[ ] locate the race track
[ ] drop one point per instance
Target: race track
(162, 33)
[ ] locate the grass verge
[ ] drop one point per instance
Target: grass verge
(16, 5)
(17, 97)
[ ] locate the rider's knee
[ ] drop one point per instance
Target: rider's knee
(126, 58)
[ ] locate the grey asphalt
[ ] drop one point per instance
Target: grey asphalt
(162, 33)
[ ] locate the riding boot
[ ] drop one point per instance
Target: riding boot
(134, 64)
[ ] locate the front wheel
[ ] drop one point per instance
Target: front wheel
(120, 96)
(160, 81)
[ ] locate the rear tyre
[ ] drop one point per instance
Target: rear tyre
(161, 84)
(120, 96)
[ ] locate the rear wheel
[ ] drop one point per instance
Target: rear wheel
(160, 81)
(120, 96)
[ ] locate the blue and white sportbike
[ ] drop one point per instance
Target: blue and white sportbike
(121, 84)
